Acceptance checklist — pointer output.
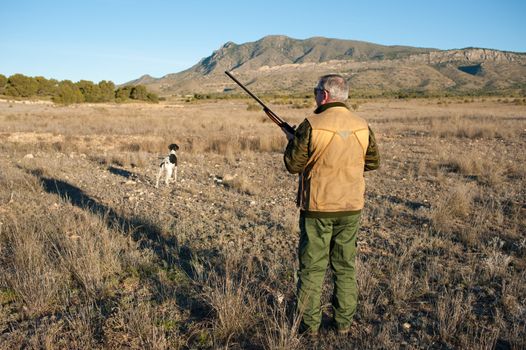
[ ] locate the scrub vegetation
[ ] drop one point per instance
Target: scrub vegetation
(21, 87)
(92, 256)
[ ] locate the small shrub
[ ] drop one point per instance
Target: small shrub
(253, 107)
(451, 207)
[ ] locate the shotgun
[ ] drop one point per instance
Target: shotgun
(273, 116)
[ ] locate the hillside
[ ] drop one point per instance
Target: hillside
(282, 64)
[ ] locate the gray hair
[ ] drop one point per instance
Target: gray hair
(336, 85)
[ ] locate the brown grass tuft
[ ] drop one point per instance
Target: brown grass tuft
(452, 207)
(233, 300)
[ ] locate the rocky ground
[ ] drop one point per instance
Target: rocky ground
(441, 249)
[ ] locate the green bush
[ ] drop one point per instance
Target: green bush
(152, 97)
(68, 93)
(107, 91)
(139, 93)
(46, 87)
(19, 85)
(123, 93)
(89, 90)
(3, 82)
(135, 92)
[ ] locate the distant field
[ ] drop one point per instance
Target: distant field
(93, 256)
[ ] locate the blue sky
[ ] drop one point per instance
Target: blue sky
(120, 40)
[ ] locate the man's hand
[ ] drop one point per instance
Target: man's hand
(288, 135)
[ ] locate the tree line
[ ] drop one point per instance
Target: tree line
(67, 92)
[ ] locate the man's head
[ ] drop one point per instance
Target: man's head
(331, 88)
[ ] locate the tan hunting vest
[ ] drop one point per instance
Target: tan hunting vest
(333, 177)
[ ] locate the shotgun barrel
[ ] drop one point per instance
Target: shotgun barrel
(273, 116)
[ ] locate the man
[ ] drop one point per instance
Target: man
(330, 150)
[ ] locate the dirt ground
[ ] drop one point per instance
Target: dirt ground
(442, 248)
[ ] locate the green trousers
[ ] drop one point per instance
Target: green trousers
(324, 241)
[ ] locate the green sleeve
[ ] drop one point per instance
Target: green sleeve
(297, 151)
(372, 155)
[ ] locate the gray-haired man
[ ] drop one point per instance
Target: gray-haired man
(330, 150)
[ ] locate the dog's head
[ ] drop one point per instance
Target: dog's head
(173, 147)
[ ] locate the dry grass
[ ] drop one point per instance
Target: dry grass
(232, 299)
(452, 208)
(452, 311)
(281, 330)
(92, 256)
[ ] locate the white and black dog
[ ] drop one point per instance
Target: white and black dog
(168, 166)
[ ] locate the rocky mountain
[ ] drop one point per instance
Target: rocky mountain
(280, 64)
(143, 80)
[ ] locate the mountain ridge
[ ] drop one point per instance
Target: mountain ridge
(277, 63)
